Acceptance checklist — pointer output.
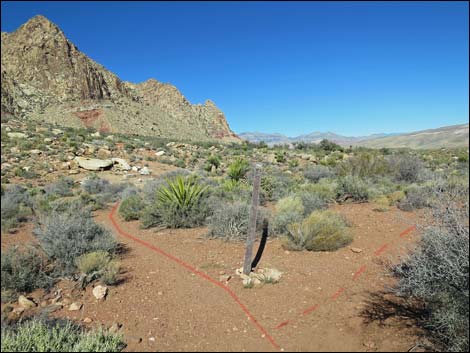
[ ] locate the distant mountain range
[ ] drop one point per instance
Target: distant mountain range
(448, 136)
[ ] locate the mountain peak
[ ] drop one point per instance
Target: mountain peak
(39, 23)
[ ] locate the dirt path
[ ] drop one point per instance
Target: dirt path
(318, 305)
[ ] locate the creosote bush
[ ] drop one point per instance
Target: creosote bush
(321, 231)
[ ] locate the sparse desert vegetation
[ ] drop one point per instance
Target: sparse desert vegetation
(134, 220)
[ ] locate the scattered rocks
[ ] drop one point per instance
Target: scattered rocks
(75, 307)
(25, 302)
(93, 163)
(99, 292)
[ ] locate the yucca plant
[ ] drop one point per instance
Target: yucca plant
(238, 169)
(178, 204)
(181, 192)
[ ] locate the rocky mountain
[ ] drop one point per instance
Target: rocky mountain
(448, 136)
(314, 137)
(45, 77)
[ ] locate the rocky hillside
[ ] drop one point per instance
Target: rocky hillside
(448, 136)
(45, 77)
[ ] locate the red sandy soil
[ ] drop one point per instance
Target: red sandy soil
(161, 300)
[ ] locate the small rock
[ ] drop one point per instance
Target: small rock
(369, 344)
(87, 320)
(159, 153)
(25, 302)
(114, 328)
(35, 151)
(74, 171)
(121, 164)
(356, 250)
(152, 339)
(225, 278)
(99, 292)
(145, 171)
(75, 307)
(52, 308)
(135, 168)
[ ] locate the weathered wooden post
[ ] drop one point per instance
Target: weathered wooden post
(250, 240)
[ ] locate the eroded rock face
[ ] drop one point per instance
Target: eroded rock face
(45, 76)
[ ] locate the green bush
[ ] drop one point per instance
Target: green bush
(91, 262)
(24, 270)
(178, 204)
(111, 272)
(321, 231)
(352, 188)
(131, 208)
(238, 169)
(41, 336)
(288, 210)
(66, 235)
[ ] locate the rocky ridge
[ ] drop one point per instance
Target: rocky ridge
(45, 77)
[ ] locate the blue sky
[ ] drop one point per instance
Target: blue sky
(353, 68)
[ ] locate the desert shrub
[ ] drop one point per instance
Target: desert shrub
(24, 270)
(312, 202)
(238, 169)
(63, 187)
(325, 189)
(407, 168)
(229, 220)
(15, 206)
(416, 198)
(212, 161)
(315, 173)
(98, 264)
(178, 204)
(321, 231)
(327, 145)
(95, 185)
(396, 196)
(111, 272)
(41, 336)
(288, 210)
(131, 208)
(365, 164)
(92, 262)
(437, 271)
(352, 188)
(66, 235)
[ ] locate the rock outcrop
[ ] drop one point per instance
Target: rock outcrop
(45, 76)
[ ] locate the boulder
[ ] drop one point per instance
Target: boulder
(16, 135)
(93, 163)
(121, 163)
(25, 302)
(159, 153)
